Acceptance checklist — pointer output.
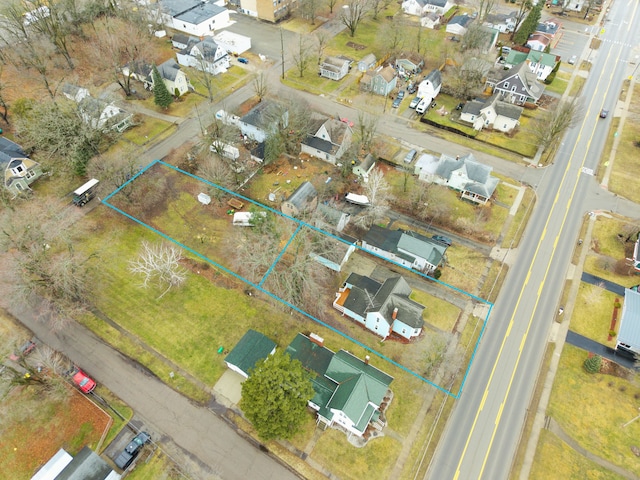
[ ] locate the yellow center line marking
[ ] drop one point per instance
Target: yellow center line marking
(524, 288)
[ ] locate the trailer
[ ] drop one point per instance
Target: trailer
(85, 193)
(357, 199)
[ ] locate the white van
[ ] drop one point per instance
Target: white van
(423, 105)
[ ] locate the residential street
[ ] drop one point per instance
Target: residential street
(205, 446)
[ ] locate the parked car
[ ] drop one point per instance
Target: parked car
(243, 60)
(573, 60)
(396, 103)
(347, 121)
(131, 451)
(442, 239)
(409, 156)
(413, 88)
(604, 113)
(400, 94)
(82, 381)
(414, 103)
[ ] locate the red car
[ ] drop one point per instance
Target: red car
(83, 381)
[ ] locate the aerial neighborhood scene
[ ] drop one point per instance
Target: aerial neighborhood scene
(309, 239)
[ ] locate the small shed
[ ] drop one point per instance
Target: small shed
(303, 199)
(367, 63)
(252, 348)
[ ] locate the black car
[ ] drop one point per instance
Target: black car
(442, 239)
(132, 450)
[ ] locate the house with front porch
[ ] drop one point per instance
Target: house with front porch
(335, 68)
(204, 55)
(383, 308)
(350, 394)
(18, 170)
(407, 248)
(491, 113)
(468, 176)
(541, 64)
(518, 85)
(421, 8)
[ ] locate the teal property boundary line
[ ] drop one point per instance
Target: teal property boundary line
(260, 288)
(284, 249)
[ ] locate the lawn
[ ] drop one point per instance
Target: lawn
(576, 86)
(520, 220)
(627, 157)
(438, 313)
(592, 312)
(560, 83)
(604, 402)
(555, 459)
(149, 130)
(314, 83)
(373, 462)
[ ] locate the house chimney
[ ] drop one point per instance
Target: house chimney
(394, 315)
(317, 339)
(366, 359)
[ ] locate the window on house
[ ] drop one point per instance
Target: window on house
(19, 186)
(19, 168)
(514, 88)
(404, 330)
(522, 98)
(506, 84)
(30, 174)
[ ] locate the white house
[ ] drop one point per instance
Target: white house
(468, 176)
(328, 139)
(423, 7)
(430, 20)
(233, 43)
(205, 55)
(363, 168)
(628, 338)
(335, 68)
(493, 112)
(173, 77)
(406, 248)
(195, 17)
(261, 120)
(349, 393)
(431, 85)
(503, 22)
(383, 308)
(426, 167)
(538, 41)
(458, 25)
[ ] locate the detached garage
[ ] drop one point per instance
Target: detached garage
(252, 348)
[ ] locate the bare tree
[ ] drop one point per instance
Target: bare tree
(159, 264)
(552, 125)
(44, 268)
(353, 13)
(393, 36)
(3, 103)
(523, 9)
(465, 77)
(377, 191)
(476, 38)
(309, 9)
(54, 25)
(301, 56)
(212, 168)
(322, 39)
(260, 85)
(378, 6)
(115, 167)
(331, 4)
(366, 129)
(485, 7)
(120, 42)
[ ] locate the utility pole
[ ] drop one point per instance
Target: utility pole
(282, 51)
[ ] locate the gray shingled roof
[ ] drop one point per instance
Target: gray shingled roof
(302, 195)
(461, 20)
(473, 107)
(434, 77)
(169, 69)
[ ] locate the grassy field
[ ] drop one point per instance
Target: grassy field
(605, 403)
(560, 83)
(149, 130)
(592, 313)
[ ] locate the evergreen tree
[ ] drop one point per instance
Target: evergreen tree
(275, 396)
(529, 25)
(161, 95)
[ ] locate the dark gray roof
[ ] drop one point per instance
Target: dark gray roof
(461, 20)
(508, 110)
(191, 11)
(9, 151)
(473, 107)
(181, 38)
(207, 46)
(143, 69)
(481, 182)
(437, 3)
(256, 116)
(302, 195)
(86, 465)
(434, 77)
(169, 69)
(319, 144)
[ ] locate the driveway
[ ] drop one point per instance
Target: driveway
(203, 445)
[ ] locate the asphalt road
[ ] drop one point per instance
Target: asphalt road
(207, 447)
(483, 432)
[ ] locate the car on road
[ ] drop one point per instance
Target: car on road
(603, 113)
(414, 103)
(410, 155)
(243, 60)
(442, 239)
(573, 60)
(131, 451)
(85, 383)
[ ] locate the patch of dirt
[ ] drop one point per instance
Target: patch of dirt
(612, 368)
(70, 423)
(356, 46)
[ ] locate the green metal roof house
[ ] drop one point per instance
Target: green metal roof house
(252, 348)
(349, 391)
